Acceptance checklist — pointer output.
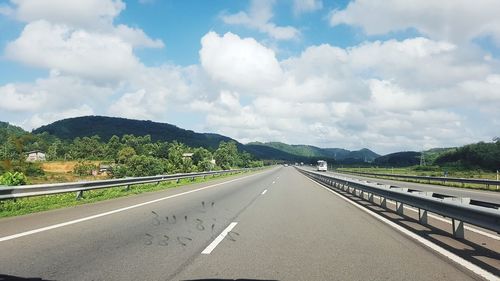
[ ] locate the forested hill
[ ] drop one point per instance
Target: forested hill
(399, 159)
(106, 127)
(9, 129)
(339, 154)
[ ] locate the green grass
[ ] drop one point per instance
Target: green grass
(23, 206)
(432, 171)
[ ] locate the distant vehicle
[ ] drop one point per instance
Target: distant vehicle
(286, 165)
(322, 166)
(301, 163)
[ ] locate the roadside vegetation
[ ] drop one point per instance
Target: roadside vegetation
(90, 158)
(480, 160)
(23, 206)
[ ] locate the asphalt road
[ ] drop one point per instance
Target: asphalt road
(285, 227)
(482, 195)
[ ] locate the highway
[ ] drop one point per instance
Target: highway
(279, 225)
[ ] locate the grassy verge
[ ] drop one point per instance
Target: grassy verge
(22, 206)
(411, 171)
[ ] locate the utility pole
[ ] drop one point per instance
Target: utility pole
(422, 159)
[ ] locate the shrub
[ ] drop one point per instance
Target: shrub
(15, 178)
(83, 168)
(33, 170)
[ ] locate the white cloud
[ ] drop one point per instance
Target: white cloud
(242, 63)
(259, 17)
(387, 95)
(74, 51)
(92, 16)
(83, 14)
(453, 20)
(409, 94)
(137, 38)
(14, 99)
(305, 6)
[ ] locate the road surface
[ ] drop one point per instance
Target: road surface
(279, 225)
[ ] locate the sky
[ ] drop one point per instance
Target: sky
(389, 75)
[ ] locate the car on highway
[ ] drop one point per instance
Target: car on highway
(322, 166)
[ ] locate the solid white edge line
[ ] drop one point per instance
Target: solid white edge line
(264, 192)
(470, 266)
(42, 229)
(219, 239)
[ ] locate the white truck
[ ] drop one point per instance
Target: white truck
(322, 166)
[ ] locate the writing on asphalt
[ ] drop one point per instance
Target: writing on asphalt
(172, 230)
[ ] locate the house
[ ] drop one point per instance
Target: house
(35, 155)
(187, 155)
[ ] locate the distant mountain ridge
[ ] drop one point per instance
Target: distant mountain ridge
(106, 127)
(338, 154)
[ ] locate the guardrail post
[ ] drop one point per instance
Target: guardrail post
(370, 197)
(177, 181)
(422, 216)
(399, 208)
(362, 194)
(458, 229)
(79, 195)
(383, 202)
(127, 188)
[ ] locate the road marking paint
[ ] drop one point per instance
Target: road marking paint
(38, 230)
(448, 221)
(219, 239)
(264, 192)
(470, 266)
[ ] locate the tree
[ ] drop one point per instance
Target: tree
(142, 165)
(113, 147)
(226, 156)
(175, 162)
(125, 154)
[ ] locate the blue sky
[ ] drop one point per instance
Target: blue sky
(385, 75)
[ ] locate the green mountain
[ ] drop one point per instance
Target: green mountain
(485, 155)
(106, 127)
(399, 159)
(7, 130)
(313, 152)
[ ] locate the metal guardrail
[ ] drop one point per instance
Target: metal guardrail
(10, 192)
(460, 210)
(486, 182)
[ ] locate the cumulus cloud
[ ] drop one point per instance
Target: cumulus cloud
(75, 51)
(387, 95)
(452, 20)
(259, 17)
(238, 62)
(409, 94)
(14, 99)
